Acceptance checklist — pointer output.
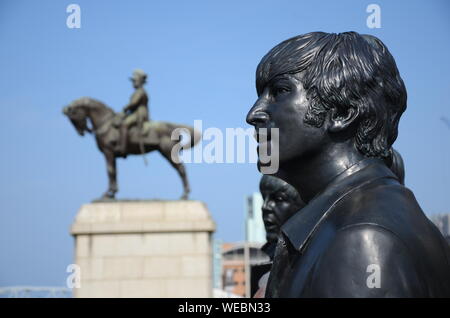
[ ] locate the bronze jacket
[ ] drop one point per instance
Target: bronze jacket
(365, 235)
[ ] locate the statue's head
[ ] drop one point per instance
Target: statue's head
(322, 88)
(139, 78)
(77, 113)
(281, 201)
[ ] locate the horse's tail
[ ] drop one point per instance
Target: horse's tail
(195, 135)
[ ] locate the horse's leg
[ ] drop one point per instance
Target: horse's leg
(112, 176)
(165, 148)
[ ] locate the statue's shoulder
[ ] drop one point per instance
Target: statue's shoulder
(358, 251)
(139, 92)
(387, 209)
(381, 229)
(142, 91)
(387, 204)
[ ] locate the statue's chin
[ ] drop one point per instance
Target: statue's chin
(272, 238)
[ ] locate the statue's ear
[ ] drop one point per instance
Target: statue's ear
(340, 120)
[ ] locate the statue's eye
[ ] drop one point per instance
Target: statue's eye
(280, 90)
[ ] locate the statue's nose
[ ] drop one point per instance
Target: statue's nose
(267, 205)
(65, 110)
(257, 115)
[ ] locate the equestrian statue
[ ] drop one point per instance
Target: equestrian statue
(130, 132)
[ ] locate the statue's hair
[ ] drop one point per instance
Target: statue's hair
(343, 71)
(280, 184)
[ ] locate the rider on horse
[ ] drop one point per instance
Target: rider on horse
(136, 111)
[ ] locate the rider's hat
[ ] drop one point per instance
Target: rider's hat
(139, 74)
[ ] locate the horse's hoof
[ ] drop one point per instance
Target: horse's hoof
(184, 197)
(105, 198)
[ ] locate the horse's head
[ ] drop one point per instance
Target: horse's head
(78, 115)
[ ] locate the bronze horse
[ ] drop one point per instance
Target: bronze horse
(105, 125)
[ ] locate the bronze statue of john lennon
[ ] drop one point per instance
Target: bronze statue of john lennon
(129, 132)
(336, 100)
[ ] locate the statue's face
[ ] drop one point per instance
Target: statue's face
(278, 207)
(135, 82)
(77, 116)
(283, 105)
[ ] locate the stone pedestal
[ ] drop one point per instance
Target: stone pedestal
(144, 249)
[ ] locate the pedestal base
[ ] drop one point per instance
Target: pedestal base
(144, 249)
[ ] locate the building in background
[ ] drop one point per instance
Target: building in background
(254, 225)
(237, 260)
(217, 264)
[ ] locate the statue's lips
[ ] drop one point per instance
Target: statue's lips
(270, 224)
(271, 227)
(264, 142)
(261, 136)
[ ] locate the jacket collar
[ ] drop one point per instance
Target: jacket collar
(301, 226)
(269, 249)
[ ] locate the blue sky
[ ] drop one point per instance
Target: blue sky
(201, 58)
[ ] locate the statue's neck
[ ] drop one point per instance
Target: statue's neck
(311, 175)
(97, 115)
